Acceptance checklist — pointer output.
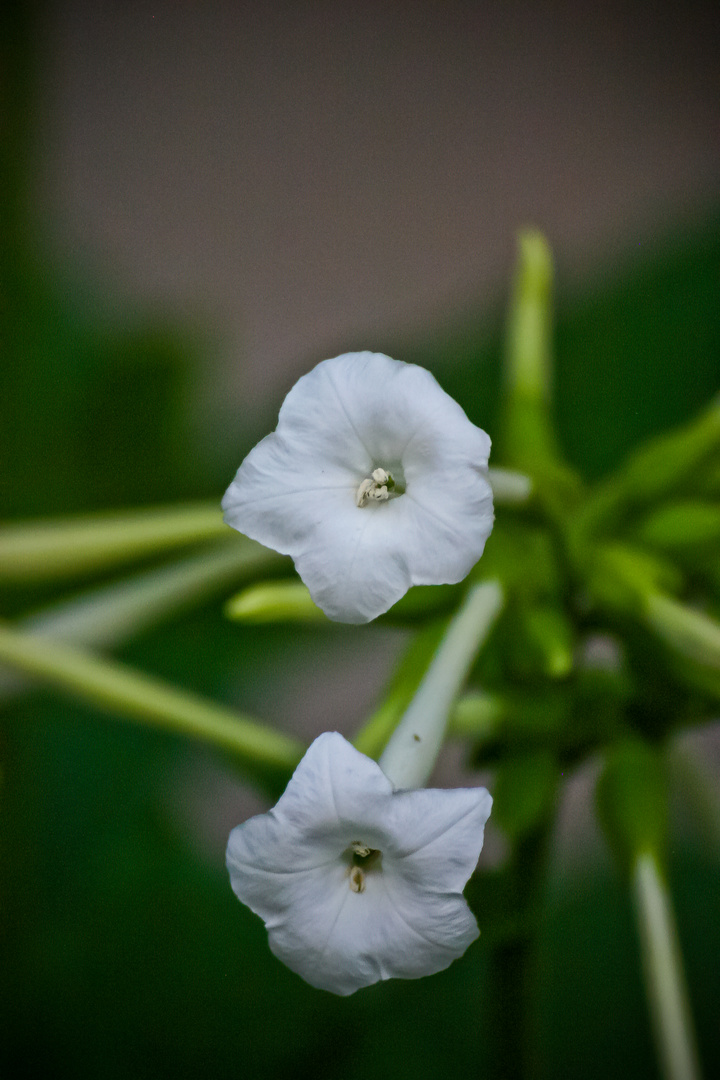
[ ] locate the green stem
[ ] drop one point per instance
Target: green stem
(106, 616)
(527, 439)
(664, 978)
(411, 753)
(51, 550)
(265, 754)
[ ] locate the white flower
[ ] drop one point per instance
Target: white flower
(373, 481)
(357, 882)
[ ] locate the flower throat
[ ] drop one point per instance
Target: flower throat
(364, 860)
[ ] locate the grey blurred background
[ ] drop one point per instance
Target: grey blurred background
(305, 177)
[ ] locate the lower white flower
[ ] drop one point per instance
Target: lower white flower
(373, 481)
(355, 881)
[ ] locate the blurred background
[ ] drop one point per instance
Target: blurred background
(200, 202)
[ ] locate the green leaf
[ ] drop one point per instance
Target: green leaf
(655, 471)
(622, 578)
(687, 630)
(679, 526)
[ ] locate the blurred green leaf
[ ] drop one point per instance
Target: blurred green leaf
(524, 792)
(681, 526)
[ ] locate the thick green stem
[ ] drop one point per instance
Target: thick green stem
(664, 978)
(107, 615)
(265, 754)
(412, 751)
(52, 550)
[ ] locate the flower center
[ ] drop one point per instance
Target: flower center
(378, 487)
(363, 860)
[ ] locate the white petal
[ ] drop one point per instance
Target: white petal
(282, 491)
(393, 406)
(446, 472)
(334, 785)
(319, 413)
(383, 932)
(442, 921)
(360, 567)
(448, 531)
(437, 836)
(267, 872)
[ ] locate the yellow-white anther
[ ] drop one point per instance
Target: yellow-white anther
(373, 488)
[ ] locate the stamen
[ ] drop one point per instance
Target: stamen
(375, 488)
(363, 860)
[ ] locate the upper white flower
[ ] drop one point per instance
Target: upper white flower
(373, 481)
(357, 882)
